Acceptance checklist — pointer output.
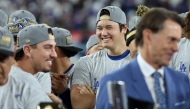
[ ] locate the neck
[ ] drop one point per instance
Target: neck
(60, 64)
(25, 66)
(149, 59)
(118, 50)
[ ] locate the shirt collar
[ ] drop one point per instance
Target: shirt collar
(146, 68)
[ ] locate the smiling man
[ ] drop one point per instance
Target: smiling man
(110, 29)
(36, 50)
(15, 93)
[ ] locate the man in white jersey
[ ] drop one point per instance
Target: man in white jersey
(110, 29)
(14, 93)
(93, 45)
(181, 59)
(35, 53)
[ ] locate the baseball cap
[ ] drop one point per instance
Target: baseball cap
(115, 14)
(19, 14)
(34, 34)
(3, 18)
(63, 38)
(6, 42)
(133, 22)
(14, 28)
(93, 40)
(183, 15)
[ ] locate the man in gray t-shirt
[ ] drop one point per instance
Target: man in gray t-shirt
(110, 29)
(15, 93)
(35, 52)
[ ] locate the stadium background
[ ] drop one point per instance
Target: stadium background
(79, 16)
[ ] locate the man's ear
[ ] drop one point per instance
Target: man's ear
(27, 50)
(147, 36)
(124, 29)
(87, 53)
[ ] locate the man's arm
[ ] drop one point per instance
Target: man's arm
(82, 101)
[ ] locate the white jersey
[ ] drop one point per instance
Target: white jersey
(17, 94)
(19, 74)
(90, 69)
(181, 59)
(45, 80)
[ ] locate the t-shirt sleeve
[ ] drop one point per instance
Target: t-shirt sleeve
(81, 74)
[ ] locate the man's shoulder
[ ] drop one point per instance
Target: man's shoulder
(175, 73)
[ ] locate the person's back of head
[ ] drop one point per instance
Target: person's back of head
(64, 42)
(93, 45)
(21, 14)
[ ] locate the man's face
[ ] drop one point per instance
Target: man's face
(43, 55)
(163, 45)
(109, 34)
(95, 49)
(5, 66)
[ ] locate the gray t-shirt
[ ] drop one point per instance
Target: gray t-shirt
(181, 59)
(90, 69)
(19, 74)
(45, 80)
(18, 94)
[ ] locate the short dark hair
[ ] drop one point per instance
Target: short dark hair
(67, 52)
(154, 20)
(20, 54)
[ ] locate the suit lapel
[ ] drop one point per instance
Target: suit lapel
(169, 88)
(139, 82)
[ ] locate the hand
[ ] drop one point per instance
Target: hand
(85, 89)
(54, 98)
(59, 83)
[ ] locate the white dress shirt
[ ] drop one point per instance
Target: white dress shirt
(147, 70)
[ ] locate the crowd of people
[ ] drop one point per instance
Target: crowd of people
(149, 54)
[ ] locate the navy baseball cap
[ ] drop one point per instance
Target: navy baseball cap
(115, 14)
(63, 38)
(6, 42)
(3, 18)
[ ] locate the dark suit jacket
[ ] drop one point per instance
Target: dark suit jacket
(176, 86)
